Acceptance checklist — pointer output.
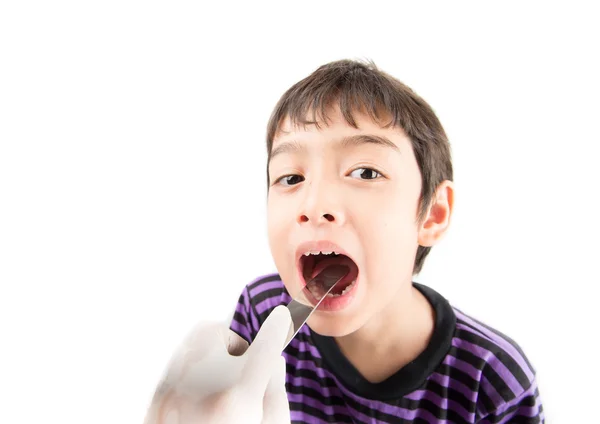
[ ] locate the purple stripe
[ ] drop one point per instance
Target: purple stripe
(264, 287)
(491, 392)
(475, 374)
(493, 361)
(238, 326)
(463, 366)
(253, 321)
(241, 309)
(383, 407)
(309, 365)
(272, 302)
(326, 391)
(333, 391)
(267, 304)
(327, 409)
(406, 414)
(446, 381)
(441, 402)
(522, 411)
(527, 411)
(303, 347)
(379, 406)
(305, 417)
(503, 343)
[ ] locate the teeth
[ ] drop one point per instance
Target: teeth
(346, 290)
(320, 252)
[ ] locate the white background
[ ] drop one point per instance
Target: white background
(133, 192)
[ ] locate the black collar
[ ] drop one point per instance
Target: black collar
(411, 376)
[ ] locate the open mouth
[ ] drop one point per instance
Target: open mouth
(313, 263)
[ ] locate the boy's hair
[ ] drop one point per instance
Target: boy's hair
(361, 87)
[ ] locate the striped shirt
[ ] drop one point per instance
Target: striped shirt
(469, 373)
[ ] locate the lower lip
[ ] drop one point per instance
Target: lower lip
(337, 303)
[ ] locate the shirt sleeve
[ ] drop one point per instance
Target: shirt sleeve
(524, 409)
(245, 319)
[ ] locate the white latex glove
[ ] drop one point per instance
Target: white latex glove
(214, 377)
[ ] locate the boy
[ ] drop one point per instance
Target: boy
(360, 173)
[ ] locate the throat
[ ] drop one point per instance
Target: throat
(376, 367)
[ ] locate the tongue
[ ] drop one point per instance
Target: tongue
(335, 260)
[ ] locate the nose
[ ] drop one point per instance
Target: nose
(321, 205)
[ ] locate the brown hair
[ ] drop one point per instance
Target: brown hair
(361, 87)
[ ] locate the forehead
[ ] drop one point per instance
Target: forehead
(335, 127)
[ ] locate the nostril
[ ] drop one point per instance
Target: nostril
(305, 218)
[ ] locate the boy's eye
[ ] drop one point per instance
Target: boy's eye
(365, 174)
(290, 180)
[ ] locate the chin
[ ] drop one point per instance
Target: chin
(333, 325)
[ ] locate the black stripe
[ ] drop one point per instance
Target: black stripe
(528, 401)
(466, 379)
(469, 357)
(501, 335)
(407, 404)
(492, 376)
(317, 413)
(266, 279)
(480, 364)
(500, 353)
(316, 394)
(266, 295)
(441, 413)
(458, 375)
(309, 375)
(263, 296)
(461, 376)
(240, 319)
(241, 335)
(422, 404)
(450, 393)
(432, 386)
(473, 385)
(486, 402)
(296, 353)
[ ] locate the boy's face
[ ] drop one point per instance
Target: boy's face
(358, 189)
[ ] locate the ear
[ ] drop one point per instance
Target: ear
(436, 222)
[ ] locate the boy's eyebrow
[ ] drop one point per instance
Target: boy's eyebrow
(287, 147)
(357, 140)
(354, 140)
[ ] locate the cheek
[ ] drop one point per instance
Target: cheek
(279, 221)
(390, 239)
(277, 218)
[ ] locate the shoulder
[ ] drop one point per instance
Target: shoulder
(267, 292)
(257, 300)
(506, 376)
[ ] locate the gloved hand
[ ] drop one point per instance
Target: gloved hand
(214, 377)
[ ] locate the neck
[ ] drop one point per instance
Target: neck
(393, 337)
